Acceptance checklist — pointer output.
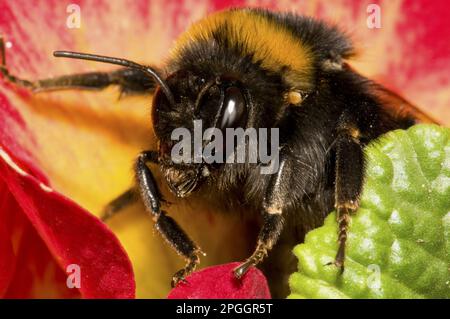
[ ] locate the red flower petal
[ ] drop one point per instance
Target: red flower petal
(34, 273)
(70, 234)
(7, 257)
(218, 282)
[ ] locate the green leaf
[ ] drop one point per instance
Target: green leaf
(399, 239)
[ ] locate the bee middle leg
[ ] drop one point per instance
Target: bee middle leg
(130, 81)
(117, 204)
(166, 225)
(349, 181)
(272, 219)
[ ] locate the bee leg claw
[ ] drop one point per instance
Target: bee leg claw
(178, 277)
(242, 269)
(191, 265)
(338, 263)
(257, 256)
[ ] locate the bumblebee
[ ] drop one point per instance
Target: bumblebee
(243, 68)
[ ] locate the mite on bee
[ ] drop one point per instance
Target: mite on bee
(252, 68)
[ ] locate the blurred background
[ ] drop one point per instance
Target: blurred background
(409, 51)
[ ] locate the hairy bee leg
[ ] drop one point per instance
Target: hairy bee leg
(2, 51)
(268, 236)
(130, 81)
(166, 225)
(4, 70)
(272, 221)
(117, 204)
(349, 182)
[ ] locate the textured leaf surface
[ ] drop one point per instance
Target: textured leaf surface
(399, 241)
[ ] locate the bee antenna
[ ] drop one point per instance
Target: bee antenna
(123, 62)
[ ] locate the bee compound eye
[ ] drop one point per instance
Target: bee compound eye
(234, 108)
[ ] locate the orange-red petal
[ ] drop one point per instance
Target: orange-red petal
(218, 282)
(40, 223)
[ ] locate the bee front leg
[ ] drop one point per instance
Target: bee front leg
(166, 225)
(273, 219)
(130, 81)
(117, 204)
(4, 70)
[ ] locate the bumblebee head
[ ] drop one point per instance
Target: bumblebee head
(201, 102)
(218, 101)
(210, 84)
